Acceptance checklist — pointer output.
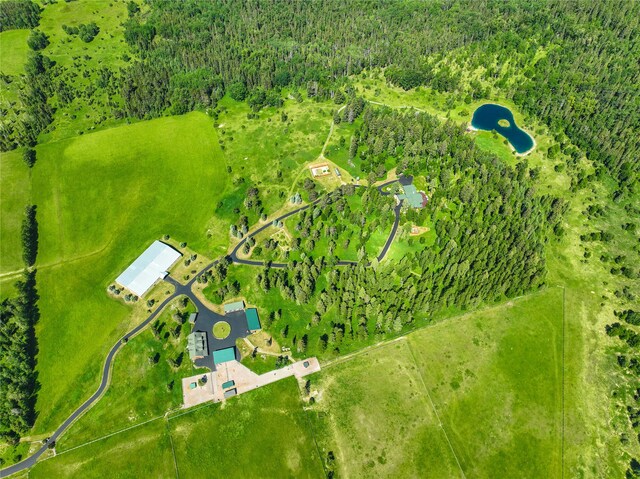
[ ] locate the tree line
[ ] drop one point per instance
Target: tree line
(630, 364)
(18, 317)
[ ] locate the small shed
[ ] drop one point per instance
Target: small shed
(230, 393)
(193, 317)
(253, 321)
(228, 384)
(224, 355)
(235, 306)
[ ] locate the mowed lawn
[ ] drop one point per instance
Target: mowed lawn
(102, 198)
(496, 380)
(263, 433)
(13, 51)
(144, 451)
(373, 413)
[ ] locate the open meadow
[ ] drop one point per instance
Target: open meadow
(263, 433)
(373, 414)
(142, 451)
(14, 51)
(102, 198)
(476, 396)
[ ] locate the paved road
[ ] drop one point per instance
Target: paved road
(383, 253)
(106, 373)
(180, 289)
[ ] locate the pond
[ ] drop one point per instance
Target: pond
(496, 117)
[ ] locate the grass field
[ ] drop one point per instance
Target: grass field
(102, 198)
(14, 196)
(140, 389)
(263, 433)
(374, 414)
(141, 452)
(494, 378)
(13, 53)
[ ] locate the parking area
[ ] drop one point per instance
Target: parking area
(198, 389)
(232, 378)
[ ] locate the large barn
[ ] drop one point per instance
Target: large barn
(148, 268)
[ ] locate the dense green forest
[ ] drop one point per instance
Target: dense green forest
(566, 62)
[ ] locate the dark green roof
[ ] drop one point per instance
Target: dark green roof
(253, 322)
(228, 384)
(224, 355)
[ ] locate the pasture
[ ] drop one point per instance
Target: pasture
(102, 198)
(373, 414)
(494, 378)
(263, 433)
(142, 451)
(13, 53)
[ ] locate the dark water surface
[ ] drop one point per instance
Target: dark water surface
(486, 117)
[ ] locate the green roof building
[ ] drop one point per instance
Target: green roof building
(197, 345)
(231, 307)
(253, 322)
(413, 197)
(228, 384)
(224, 355)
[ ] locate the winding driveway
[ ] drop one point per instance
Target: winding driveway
(180, 289)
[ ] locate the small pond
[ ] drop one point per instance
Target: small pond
(496, 117)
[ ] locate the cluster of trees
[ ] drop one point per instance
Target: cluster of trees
(350, 112)
(16, 14)
(335, 219)
(246, 49)
(491, 245)
(87, 32)
(37, 40)
(631, 364)
(296, 283)
(18, 376)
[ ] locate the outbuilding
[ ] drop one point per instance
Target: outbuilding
(253, 321)
(235, 306)
(224, 355)
(153, 264)
(197, 345)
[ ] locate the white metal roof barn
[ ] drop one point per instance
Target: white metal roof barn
(149, 267)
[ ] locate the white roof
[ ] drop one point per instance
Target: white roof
(149, 267)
